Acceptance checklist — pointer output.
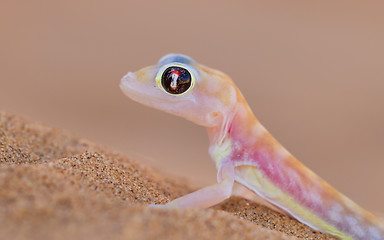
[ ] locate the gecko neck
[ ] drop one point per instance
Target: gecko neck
(238, 116)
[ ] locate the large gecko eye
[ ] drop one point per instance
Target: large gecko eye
(176, 80)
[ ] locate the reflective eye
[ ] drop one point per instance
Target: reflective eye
(176, 80)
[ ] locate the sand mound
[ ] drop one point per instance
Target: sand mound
(54, 185)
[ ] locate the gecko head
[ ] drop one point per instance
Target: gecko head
(179, 85)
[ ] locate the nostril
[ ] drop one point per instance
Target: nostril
(129, 77)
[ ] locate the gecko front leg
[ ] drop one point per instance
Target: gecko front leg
(207, 196)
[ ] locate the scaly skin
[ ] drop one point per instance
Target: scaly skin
(245, 152)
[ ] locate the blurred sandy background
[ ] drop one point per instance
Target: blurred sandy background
(313, 72)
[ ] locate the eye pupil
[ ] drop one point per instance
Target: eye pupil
(176, 80)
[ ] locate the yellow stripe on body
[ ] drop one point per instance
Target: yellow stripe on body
(252, 178)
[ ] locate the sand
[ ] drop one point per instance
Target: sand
(55, 185)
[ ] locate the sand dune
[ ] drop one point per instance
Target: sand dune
(54, 185)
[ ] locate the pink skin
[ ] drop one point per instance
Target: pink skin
(245, 152)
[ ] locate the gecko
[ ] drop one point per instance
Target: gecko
(243, 150)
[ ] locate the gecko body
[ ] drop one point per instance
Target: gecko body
(243, 150)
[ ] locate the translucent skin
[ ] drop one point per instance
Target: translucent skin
(245, 152)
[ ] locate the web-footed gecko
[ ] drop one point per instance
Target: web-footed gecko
(243, 150)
